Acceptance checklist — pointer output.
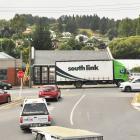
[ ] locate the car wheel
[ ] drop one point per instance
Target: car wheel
(8, 99)
(128, 89)
(5, 87)
(57, 98)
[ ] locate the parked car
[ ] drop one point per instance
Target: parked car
(34, 113)
(50, 91)
(5, 86)
(132, 85)
(5, 97)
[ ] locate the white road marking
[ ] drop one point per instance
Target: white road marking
(72, 112)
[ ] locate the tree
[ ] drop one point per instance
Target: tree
(126, 48)
(103, 25)
(71, 44)
(111, 33)
(138, 27)
(95, 22)
(8, 46)
(71, 26)
(41, 37)
(126, 28)
(18, 23)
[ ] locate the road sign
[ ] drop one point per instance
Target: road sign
(20, 74)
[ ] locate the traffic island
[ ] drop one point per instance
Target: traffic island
(136, 101)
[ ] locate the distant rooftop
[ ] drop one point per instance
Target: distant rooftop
(48, 57)
(5, 56)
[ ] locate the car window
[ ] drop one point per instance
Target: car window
(1, 91)
(49, 88)
(35, 109)
(137, 81)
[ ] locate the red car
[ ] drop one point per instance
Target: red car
(50, 91)
(4, 97)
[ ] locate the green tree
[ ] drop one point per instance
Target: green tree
(71, 44)
(8, 46)
(126, 28)
(138, 27)
(135, 69)
(103, 25)
(126, 48)
(18, 23)
(111, 33)
(41, 37)
(71, 26)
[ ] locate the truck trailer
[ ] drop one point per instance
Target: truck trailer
(88, 72)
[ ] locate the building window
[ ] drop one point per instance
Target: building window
(3, 74)
(44, 75)
(37, 75)
(52, 75)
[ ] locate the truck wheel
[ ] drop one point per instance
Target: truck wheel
(78, 84)
(118, 83)
(5, 87)
(127, 89)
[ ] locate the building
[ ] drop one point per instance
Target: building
(8, 68)
(44, 62)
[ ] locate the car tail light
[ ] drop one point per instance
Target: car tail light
(49, 118)
(21, 120)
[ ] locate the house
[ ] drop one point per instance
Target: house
(81, 38)
(8, 68)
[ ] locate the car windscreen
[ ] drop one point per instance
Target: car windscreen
(35, 109)
(48, 88)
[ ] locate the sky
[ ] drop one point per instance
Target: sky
(116, 9)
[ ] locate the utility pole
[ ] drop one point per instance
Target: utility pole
(30, 64)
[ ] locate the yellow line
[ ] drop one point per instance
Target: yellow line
(136, 98)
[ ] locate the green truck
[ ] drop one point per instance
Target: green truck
(90, 72)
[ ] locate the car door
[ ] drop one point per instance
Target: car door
(1, 96)
(136, 84)
(0, 85)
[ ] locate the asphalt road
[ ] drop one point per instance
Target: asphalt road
(104, 110)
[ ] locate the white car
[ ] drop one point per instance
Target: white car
(133, 85)
(34, 113)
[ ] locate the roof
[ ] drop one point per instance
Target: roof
(48, 57)
(38, 100)
(5, 56)
(64, 133)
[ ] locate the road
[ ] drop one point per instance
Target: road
(104, 110)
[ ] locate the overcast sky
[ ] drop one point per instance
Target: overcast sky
(116, 9)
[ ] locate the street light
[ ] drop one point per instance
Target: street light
(30, 62)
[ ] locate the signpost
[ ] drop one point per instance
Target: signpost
(20, 75)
